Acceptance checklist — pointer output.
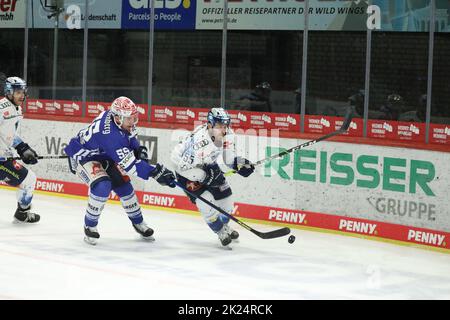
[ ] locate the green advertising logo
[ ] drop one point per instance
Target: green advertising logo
(345, 169)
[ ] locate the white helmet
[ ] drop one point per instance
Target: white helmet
(123, 108)
(218, 115)
(14, 83)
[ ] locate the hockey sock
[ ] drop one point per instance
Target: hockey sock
(26, 189)
(227, 205)
(98, 196)
(210, 215)
(130, 202)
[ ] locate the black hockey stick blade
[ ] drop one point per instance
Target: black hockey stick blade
(347, 120)
(263, 235)
(274, 234)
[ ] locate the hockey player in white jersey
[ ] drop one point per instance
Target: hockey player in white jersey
(196, 167)
(11, 172)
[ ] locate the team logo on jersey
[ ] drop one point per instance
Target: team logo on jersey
(17, 165)
(201, 144)
(193, 185)
(96, 168)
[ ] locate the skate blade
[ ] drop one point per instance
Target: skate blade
(149, 239)
(227, 247)
(91, 241)
(17, 221)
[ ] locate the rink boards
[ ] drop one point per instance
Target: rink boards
(375, 192)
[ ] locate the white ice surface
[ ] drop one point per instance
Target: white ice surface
(50, 261)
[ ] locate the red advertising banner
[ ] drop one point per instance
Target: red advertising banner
(175, 114)
(74, 108)
(381, 129)
(261, 120)
(280, 121)
(54, 107)
(394, 130)
(355, 129)
(142, 111)
(93, 109)
(318, 124)
(364, 227)
(324, 124)
(411, 131)
(239, 119)
(440, 133)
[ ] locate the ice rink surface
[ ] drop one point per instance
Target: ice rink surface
(51, 261)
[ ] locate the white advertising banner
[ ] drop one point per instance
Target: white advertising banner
(12, 13)
(283, 15)
(396, 185)
(102, 15)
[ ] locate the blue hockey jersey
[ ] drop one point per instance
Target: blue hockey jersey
(104, 140)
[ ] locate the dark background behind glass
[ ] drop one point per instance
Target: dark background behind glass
(336, 70)
(399, 66)
(264, 70)
(11, 54)
(187, 68)
(117, 65)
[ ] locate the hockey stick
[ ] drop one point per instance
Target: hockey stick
(264, 235)
(342, 129)
(38, 157)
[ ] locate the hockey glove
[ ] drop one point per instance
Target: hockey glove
(141, 153)
(28, 155)
(214, 176)
(163, 176)
(243, 166)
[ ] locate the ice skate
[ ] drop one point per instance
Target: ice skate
(25, 215)
(91, 235)
(224, 237)
(145, 231)
(234, 235)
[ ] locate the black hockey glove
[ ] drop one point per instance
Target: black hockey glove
(163, 176)
(28, 155)
(243, 166)
(141, 153)
(214, 176)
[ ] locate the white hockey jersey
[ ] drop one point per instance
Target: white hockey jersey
(10, 116)
(198, 149)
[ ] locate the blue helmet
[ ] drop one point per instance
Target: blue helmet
(218, 115)
(14, 83)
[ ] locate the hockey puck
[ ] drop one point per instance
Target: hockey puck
(291, 239)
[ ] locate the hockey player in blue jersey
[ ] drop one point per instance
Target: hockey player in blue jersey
(103, 155)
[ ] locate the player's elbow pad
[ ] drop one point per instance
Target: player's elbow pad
(73, 147)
